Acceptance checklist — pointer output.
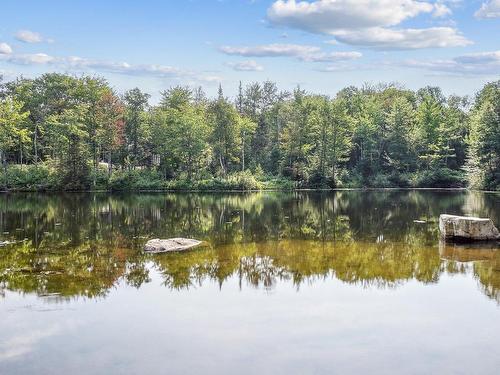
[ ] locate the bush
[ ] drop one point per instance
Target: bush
(402, 180)
(440, 178)
(318, 181)
(243, 181)
(138, 179)
(30, 177)
(278, 183)
(101, 177)
(490, 181)
(350, 179)
(240, 181)
(380, 181)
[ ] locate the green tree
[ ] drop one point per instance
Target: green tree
(69, 136)
(400, 122)
(225, 134)
(484, 154)
(135, 105)
(109, 115)
(247, 129)
(12, 117)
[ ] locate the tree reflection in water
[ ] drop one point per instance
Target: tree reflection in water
(73, 245)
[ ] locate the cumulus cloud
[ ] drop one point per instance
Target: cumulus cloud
(356, 22)
(386, 39)
(271, 50)
(344, 68)
(5, 49)
(334, 56)
(298, 51)
(489, 9)
(76, 63)
(325, 16)
(246, 66)
(30, 59)
(28, 36)
(441, 10)
(482, 63)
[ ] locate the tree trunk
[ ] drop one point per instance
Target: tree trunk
(110, 165)
(333, 175)
(4, 167)
(222, 166)
(35, 142)
(21, 154)
(243, 152)
(94, 177)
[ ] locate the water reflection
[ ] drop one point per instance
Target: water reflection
(75, 245)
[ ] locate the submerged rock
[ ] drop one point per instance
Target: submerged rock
(467, 228)
(171, 244)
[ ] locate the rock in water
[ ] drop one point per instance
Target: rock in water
(171, 244)
(467, 228)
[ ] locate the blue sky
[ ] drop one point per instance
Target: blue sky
(323, 45)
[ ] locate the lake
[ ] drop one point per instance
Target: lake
(344, 282)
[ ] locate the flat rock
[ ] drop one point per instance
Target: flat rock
(171, 244)
(467, 228)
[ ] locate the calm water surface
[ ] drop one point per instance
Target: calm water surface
(290, 283)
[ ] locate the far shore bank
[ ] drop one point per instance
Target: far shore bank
(241, 191)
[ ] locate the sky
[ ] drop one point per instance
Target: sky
(321, 45)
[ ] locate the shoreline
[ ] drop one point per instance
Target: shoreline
(232, 191)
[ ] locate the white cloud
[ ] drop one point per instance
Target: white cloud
(386, 39)
(5, 49)
(30, 59)
(325, 16)
(271, 50)
(75, 63)
(441, 10)
(28, 36)
(482, 63)
(246, 66)
(334, 56)
(489, 9)
(343, 68)
(369, 23)
(298, 51)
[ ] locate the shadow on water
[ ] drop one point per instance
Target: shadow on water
(72, 245)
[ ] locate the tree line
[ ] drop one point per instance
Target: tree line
(65, 132)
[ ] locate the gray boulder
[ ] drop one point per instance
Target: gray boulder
(467, 228)
(171, 244)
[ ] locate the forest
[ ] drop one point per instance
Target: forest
(64, 132)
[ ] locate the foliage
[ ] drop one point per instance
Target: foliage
(31, 177)
(239, 181)
(439, 178)
(484, 140)
(374, 136)
(137, 179)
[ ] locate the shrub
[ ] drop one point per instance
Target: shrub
(440, 178)
(101, 178)
(380, 181)
(138, 179)
(30, 177)
(278, 183)
(350, 179)
(241, 181)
